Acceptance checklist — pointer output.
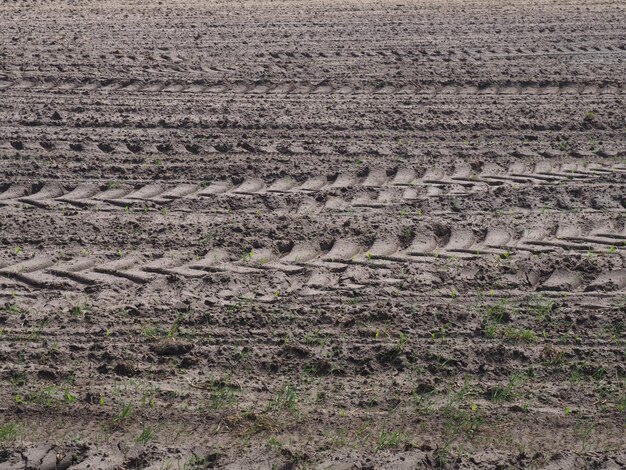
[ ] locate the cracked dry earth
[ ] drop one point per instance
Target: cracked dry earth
(341, 234)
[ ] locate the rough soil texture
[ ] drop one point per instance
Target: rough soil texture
(289, 234)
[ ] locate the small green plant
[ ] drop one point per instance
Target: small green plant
(247, 255)
(541, 307)
(150, 332)
(621, 404)
(616, 330)
(390, 440)
(583, 433)
(76, 311)
(286, 399)
(589, 116)
(196, 462)
(125, 412)
(439, 333)
(406, 234)
(497, 313)
(12, 308)
(221, 395)
(461, 419)
(274, 444)
(206, 240)
(520, 335)
(508, 391)
(442, 454)
(146, 435)
(175, 328)
(599, 373)
(403, 339)
(490, 330)
(68, 397)
(8, 432)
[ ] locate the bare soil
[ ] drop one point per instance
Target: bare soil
(322, 234)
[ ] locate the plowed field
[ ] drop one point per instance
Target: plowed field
(322, 234)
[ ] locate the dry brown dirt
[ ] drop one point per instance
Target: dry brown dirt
(307, 234)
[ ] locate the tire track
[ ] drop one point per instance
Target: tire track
(318, 88)
(292, 148)
(323, 264)
(380, 187)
